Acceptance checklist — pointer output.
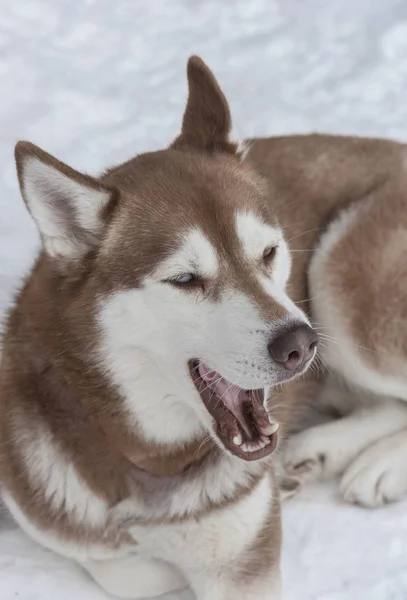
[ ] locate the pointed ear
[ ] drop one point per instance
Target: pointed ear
(206, 123)
(68, 208)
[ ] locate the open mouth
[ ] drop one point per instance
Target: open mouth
(241, 421)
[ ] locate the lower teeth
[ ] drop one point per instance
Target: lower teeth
(255, 446)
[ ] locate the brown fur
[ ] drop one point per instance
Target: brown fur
(377, 310)
(266, 549)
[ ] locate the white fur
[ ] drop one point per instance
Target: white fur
(40, 183)
(281, 297)
(135, 578)
(255, 236)
(379, 474)
(243, 149)
(218, 539)
(243, 145)
(148, 335)
(220, 536)
(51, 471)
(214, 485)
(155, 401)
(49, 539)
(327, 450)
(195, 255)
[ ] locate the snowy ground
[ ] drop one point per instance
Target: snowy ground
(95, 81)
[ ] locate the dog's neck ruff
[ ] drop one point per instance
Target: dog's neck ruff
(167, 463)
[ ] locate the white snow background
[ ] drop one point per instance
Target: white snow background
(96, 81)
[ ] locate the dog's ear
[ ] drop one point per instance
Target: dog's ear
(206, 123)
(69, 208)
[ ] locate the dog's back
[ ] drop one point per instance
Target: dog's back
(356, 280)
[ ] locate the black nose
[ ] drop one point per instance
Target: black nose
(295, 347)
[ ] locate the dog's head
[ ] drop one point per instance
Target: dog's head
(188, 268)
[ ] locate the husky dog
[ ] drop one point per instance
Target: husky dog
(136, 436)
(143, 360)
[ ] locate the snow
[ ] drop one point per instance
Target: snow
(96, 81)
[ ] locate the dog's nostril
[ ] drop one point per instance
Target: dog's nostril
(295, 347)
(294, 356)
(313, 345)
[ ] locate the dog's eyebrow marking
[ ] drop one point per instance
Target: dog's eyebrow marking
(195, 255)
(254, 235)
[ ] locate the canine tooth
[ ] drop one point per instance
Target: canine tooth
(270, 429)
(237, 440)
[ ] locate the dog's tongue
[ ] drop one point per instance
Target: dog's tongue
(242, 422)
(236, 400)
(231, 395)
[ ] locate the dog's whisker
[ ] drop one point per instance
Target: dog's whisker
(202, 444)
(301, 234)
(335, 340)
(304, 250)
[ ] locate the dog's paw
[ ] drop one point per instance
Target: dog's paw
(289, 487)
(317, 453)
(379, 475)
(305, 456)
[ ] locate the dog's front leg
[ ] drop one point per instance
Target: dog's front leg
(252, 573)
(226, 553)
(379, 474)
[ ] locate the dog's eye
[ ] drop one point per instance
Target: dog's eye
(269, 253)
(183, 279)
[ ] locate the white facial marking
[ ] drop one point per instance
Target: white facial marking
(44, 188)
(255, 235)
(135, 333)
(281, 266)
(195, 255)
(149, 335)
(279, 295)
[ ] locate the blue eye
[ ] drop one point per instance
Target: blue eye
(184, 278)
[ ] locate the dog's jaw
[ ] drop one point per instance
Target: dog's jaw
(240, 421)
